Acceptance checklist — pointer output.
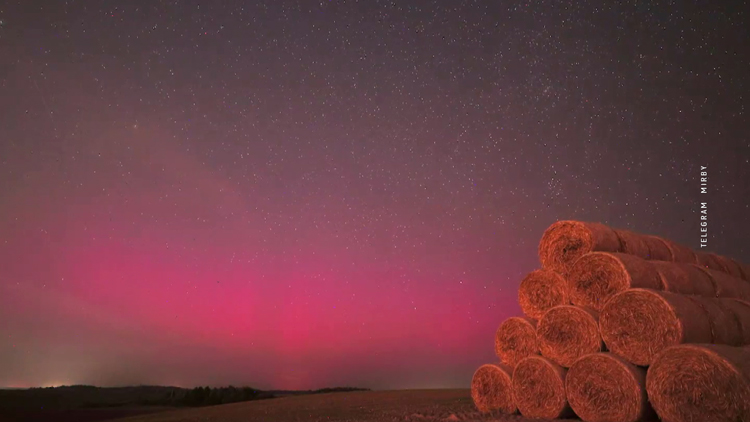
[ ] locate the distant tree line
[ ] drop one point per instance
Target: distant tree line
(338, 390)
(87, 396)
(207, 396)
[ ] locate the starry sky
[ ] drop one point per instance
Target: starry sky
(306, 194)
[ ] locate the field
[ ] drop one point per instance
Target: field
(364, 406)
(76, 415)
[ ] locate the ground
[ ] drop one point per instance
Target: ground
(76, 415)
(364, 406)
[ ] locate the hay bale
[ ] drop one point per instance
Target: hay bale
(565, 241)
(491, 389)
(568, 332)
(539, 389)
(741, 311)
(597, 276)
(657, 248)
(727, 286)
(710, 261)
(540, 291)
(745, 271)
(516, 339)
(731, 267)
(603, 387)
(681, 253)
(684, 278)
(633, 244)
(725, 326)
(637, 324)
(701, 382)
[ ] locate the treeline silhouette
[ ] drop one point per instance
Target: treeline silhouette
(207, 396)
(87, 396)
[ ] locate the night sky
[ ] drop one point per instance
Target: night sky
(306, 194)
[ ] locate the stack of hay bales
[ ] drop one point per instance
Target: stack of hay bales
(623, 327)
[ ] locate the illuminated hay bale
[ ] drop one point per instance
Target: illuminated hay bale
(568, 332)
(741, 311)
(633, 244)
(516, 339)
(727, 286)
(710, 261)
(731, 267)
(491, 389)
(684, 278)
(745, 271)
(725, 325)
(681, 253)
(540, 291)
(597, 276)
(700, 382)
(637, 324)
(565, 241)
(603, 387)
(658, 249)
(539, 389)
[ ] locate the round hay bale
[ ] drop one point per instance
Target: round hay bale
(568, 332)
(731, 267)
(637, 324)
(700, 382)
(603, 387)
(539, 389)
(540, 291)
(516, 339)
(745, 271)
(741, 311)
(684, 278)
(725, 326)
(710, 260)
(727, 286)
(565, 241)
(632, 244)
(597, 276)
(681, 253)
(491, 389)
(657, 248)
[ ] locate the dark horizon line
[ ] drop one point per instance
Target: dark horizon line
(187, 388)
(235, 386)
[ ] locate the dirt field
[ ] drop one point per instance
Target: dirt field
(365, 406)
(77, 415)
